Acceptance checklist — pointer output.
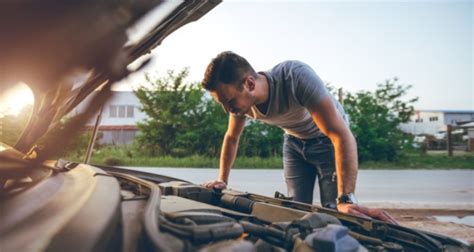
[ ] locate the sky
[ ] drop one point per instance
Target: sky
(350, 44)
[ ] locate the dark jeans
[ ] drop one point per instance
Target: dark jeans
(306, 160)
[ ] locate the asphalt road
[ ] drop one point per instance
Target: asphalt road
(440, 189)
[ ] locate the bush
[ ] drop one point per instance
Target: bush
(113, 161)
(375, 120)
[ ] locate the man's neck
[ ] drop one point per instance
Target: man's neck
(262, 89)
(262, 93)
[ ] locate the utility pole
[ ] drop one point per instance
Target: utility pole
(340, 95)
(450, 140)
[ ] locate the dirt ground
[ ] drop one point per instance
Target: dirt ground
(445, 152)
(423, 219)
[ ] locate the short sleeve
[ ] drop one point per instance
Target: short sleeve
(309, 89)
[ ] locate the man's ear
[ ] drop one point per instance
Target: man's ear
(250, 82)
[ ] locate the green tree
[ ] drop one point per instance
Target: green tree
(173, 108)
(262, 140)
(376, 117)
(11, 126)
(205, 137)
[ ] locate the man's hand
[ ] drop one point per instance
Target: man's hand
(366, 212)
(218, 184)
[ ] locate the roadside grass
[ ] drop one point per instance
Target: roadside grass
(127, 156)
(425, 161)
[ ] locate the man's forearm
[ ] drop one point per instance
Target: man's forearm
(228, 154)
(345, 148)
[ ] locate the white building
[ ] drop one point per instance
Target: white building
(119, 118)
(431, 122)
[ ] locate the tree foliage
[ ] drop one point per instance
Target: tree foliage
(375, 119)
(207, 132)
(172, 107)
(11, 126)
(262, 140)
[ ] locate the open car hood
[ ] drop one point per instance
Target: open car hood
(51, 46)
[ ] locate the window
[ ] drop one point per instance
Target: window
(121, 111)
(130, 110)
(419, 120)
(433, 118)
(112, 111)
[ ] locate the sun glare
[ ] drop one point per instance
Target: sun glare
(13, 100)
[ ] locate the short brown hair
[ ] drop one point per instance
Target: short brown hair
(227, 68)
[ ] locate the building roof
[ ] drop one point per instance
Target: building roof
(453, 111)
(468, 125)
(114, 127)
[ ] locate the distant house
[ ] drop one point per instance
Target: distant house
(470, 132)
(432, 122)
(435, 122)
(119, 118)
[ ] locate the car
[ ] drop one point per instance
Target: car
(51, 204)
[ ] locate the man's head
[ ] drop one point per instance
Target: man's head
(231, 81)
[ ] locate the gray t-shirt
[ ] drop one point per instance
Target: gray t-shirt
(294, 91)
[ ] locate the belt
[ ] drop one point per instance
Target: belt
(318, 138)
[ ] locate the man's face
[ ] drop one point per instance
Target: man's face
(232, 99)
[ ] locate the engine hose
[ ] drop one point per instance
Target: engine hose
(203, 233)
(200, 218)
(151, 212)
(268, 234)
(258, 230)
(237, 203)
(366, 239)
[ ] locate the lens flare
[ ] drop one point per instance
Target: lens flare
(14, 99)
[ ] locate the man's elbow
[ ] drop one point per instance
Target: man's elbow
(229, 138)
(340, 136)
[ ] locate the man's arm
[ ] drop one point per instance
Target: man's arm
(228, 152)
(332, 125)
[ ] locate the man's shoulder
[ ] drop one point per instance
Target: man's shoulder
(289, 64)
(288, 68)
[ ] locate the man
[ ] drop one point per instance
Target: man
(317, 141)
